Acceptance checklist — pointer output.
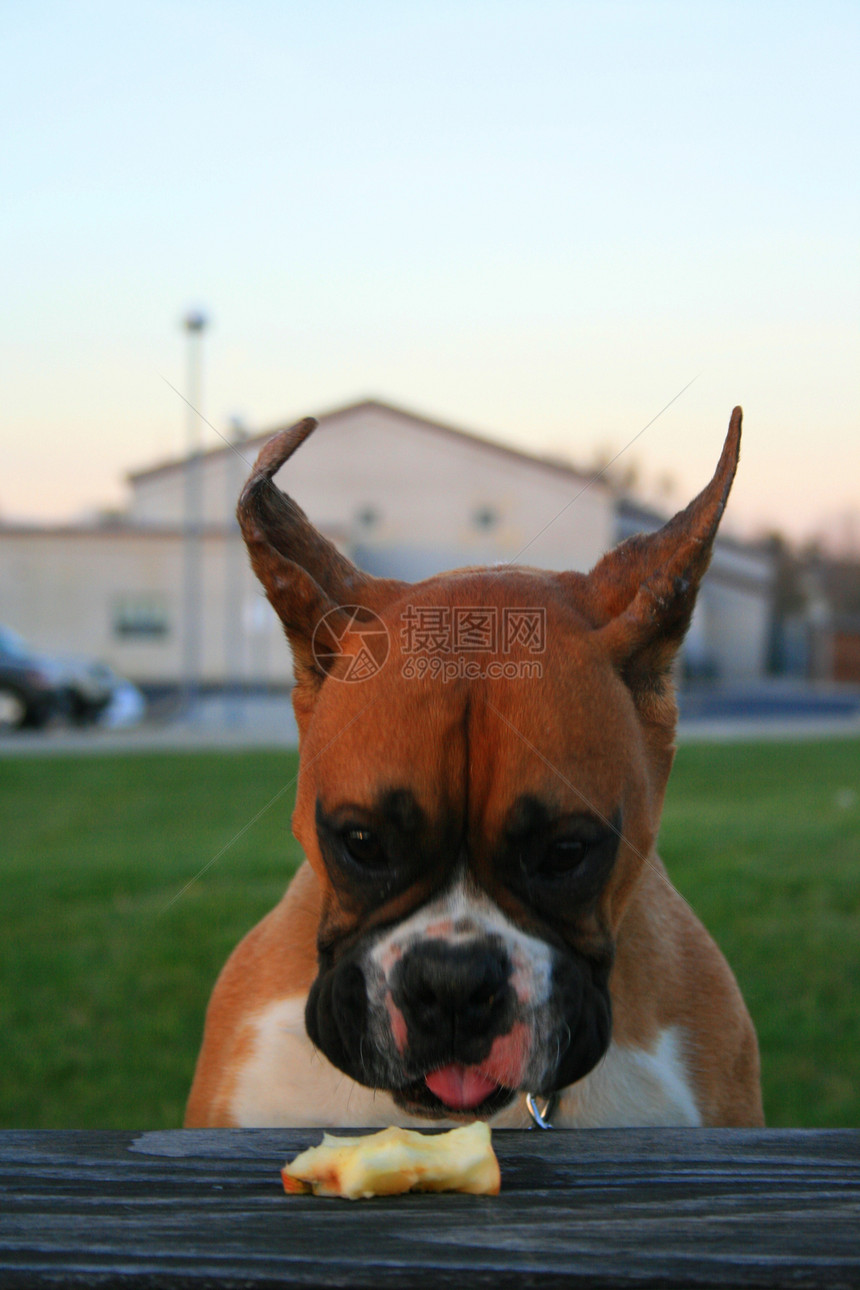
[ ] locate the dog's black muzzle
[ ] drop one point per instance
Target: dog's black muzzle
(455, 1000)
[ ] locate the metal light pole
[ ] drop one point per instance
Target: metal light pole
(195, 324)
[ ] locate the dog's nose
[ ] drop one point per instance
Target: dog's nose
(452, 991)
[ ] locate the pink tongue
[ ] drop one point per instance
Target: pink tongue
(460, 1087)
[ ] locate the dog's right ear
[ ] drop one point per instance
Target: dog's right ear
(305, 577)
(641, 595)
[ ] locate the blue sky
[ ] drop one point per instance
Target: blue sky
(535, 220)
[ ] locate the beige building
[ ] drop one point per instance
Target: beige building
(407, 495)
(400, 494)
(116, 594)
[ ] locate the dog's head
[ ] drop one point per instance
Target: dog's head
(483, 762)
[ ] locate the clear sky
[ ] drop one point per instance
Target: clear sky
(534, 219)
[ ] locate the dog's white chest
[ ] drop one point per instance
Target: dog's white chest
(286, 1081)
(634, 1086)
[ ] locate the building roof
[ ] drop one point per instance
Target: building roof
(254, 442)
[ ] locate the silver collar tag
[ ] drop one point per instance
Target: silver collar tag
(540, 1115)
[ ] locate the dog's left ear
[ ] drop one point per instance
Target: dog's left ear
(312, 587)
(641, 595)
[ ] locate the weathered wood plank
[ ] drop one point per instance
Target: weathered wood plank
(601, 1208)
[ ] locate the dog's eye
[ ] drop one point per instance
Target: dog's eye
(562, 856)
(363, 847)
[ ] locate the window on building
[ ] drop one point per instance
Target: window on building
(368, 517)
(140, 616)
(485, 517)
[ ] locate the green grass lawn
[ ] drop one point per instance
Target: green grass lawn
(107, 955)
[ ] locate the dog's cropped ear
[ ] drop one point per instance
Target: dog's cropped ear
(641, 595)
(306, 579)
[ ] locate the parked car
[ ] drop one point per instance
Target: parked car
(30, 685)
(95, 694)
(87, 688)
(36, 687)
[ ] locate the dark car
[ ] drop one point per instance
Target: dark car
(30, 689)
(87, 689)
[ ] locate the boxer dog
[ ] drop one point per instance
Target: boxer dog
(482, 925)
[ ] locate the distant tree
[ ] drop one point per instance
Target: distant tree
(789, 589)
(789, 597)
(840, 579)
(622, 474)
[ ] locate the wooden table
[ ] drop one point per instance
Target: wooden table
(636, 1207)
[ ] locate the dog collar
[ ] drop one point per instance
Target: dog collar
(540, 1115)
